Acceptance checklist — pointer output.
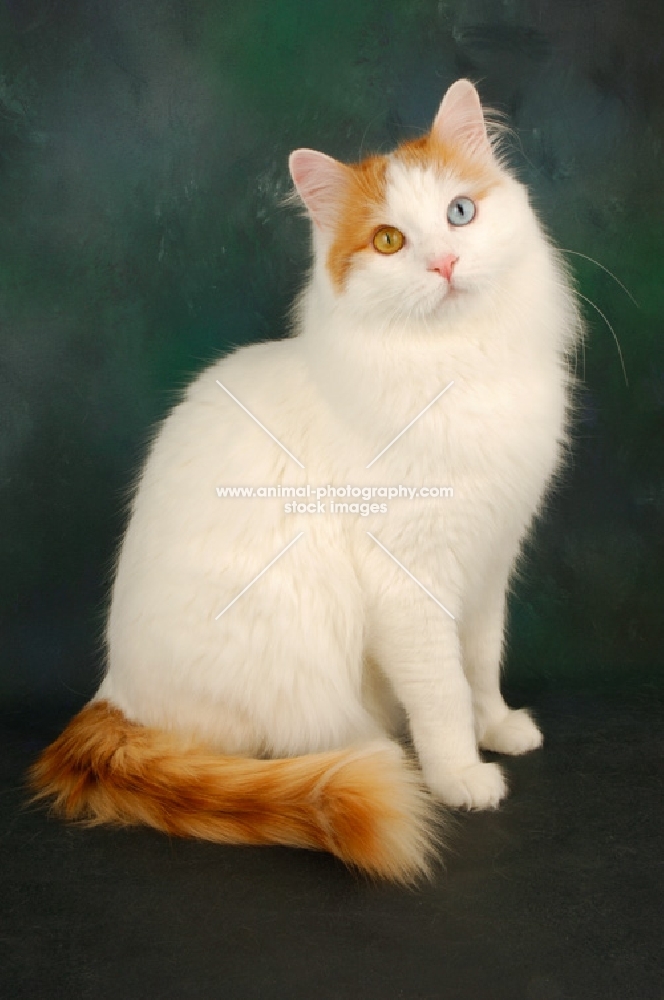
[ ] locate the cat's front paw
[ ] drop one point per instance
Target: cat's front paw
(479, 786)
(515, 733)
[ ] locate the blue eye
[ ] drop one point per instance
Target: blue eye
(461, 211)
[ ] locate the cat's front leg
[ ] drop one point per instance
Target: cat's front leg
(418, 648)
(497, 727)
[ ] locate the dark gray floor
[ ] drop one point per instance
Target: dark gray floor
(557, 896)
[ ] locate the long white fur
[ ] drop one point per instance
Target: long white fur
(318, 651)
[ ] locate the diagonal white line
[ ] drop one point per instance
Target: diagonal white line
(414, 420)
(217, 617)
(413, 578)
(256, 420)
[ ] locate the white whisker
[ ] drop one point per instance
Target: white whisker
(597, 308)
(610, 273)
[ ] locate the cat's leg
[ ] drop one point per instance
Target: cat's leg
(497, 727)
(417, 646)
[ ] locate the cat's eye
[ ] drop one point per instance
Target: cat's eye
(461, 211)
(388, 239)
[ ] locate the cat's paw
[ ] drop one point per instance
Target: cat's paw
(479, 786)
(515, 733)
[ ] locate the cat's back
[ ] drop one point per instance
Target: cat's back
(222, 422)
(240, 425)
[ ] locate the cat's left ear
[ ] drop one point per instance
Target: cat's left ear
(321, 183)
(460, 120)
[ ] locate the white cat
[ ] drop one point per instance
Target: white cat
(430, 268)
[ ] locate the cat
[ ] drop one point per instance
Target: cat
(262, 657)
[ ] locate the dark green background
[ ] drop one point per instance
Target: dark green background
(143, 150)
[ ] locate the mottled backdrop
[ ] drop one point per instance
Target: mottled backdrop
(143, 150)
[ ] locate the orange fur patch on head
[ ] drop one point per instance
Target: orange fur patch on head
(482, 174)
(359, 215)
(363, 208)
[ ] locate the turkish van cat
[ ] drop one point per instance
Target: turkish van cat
(265, 651)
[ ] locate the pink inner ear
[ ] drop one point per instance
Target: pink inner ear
(460, 120)
(321, 183)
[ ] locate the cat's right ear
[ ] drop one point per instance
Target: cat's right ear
(321, 183)
(460, 120)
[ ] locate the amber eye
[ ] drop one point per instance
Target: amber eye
(387, 239)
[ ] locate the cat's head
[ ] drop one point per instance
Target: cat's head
(421, 231)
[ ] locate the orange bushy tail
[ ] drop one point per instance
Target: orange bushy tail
(364, 804)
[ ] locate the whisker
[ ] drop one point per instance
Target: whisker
(583, 358)
(597, 308)
(610, 273)
(364, 134)
(578, 360)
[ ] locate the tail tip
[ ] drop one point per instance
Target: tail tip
(380, 818)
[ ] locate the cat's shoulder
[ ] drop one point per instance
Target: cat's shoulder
(248, 370)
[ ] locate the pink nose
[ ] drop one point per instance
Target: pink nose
(444, 265)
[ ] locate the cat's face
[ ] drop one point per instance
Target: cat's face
(422, 231)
